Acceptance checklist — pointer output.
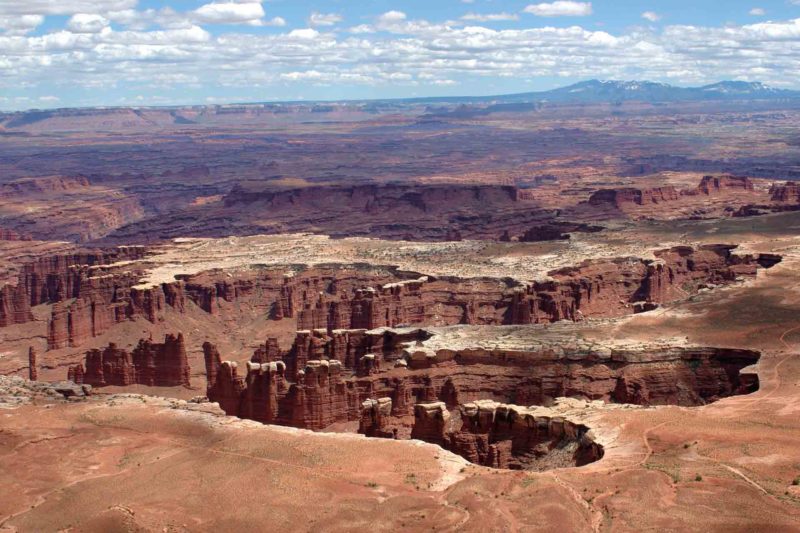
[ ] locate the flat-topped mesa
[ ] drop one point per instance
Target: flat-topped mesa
(389, 305)
(634, 197)
(152, 364)
(787, 193)
(32, 186)
(55, 279)
(552, 232)
(625, 196)
(88, 300)
(536, 375)
(372, 197)
(716, 184)
(611, 288)
(348, 300)
(508, 436)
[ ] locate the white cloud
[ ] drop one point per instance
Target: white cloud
(362, 28)
(324, 19)
(87, 23)
(167, 49)
(652, 16)
(392, 17)
(560, 8)
(489, 17)
(757, 12)
(275, 21)
(305, 33)
(20, 24)
(230, 13)
(63, 7)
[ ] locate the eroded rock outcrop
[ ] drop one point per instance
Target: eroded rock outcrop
(92, 292)
(788, 193)
(619, 198)
(716, 184)
(326, 391)
(33, 364)
(497, 435)
(152, 364)
(347, 300)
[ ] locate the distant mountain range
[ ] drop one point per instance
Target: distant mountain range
(598, 91)
(585, 92)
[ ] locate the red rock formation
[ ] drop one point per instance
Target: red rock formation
(431, 422)
(375, 417)
(508, 436)
(162, 365)
(265, 385)
(622, 197)
(228, 388)
(320, 397)
(33, 365)
(716, 184)
(552, 232)
(75, 374)
(14, 306)
(213, 362)
(421, 211)
(268, 352)
(11, 235)
(789, 192)
(326, 392)
(59, 278)
(151, 364)
(25, 187)
(87, 304)
(110, 366)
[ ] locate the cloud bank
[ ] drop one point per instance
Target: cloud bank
(106, 44)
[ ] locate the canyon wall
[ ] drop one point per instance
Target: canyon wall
(622, 197)
(326, 390)
(91, 292)
(497, 435)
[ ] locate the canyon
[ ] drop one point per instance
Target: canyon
(394, 384)
(416, 316)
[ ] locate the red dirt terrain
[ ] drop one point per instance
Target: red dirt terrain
(416, 320)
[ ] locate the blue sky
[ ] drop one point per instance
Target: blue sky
(164, 52)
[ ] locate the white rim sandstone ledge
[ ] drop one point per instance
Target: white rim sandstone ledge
(523, 262)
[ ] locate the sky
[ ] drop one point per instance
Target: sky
(78, 53)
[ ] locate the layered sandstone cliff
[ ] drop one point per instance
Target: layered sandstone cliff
(497, 435)
(622, 197)
(324, 391)
(788, 193)
(716, 184)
